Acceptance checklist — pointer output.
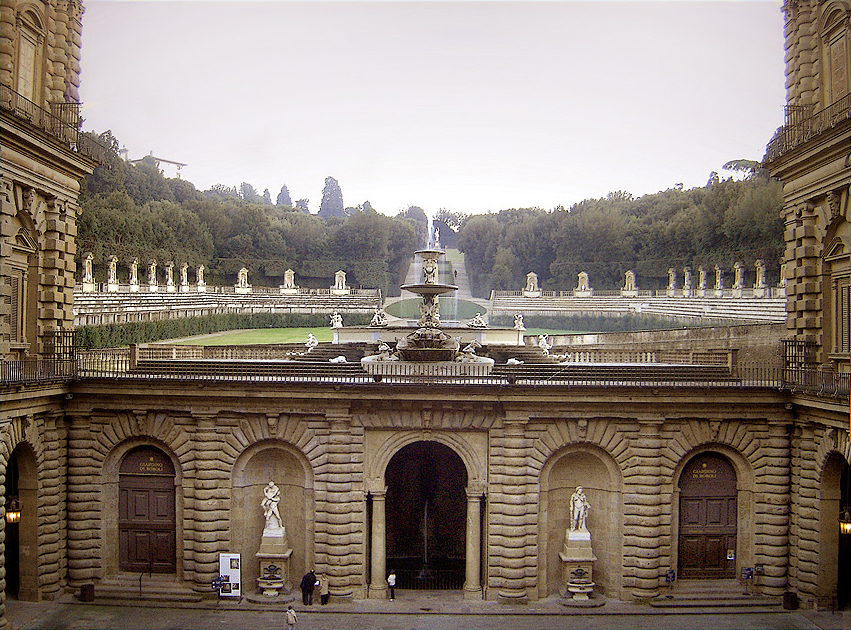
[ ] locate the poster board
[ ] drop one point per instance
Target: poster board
(231, 572)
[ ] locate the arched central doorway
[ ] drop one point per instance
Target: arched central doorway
(426, 516)
(146, 512)
(708, 514)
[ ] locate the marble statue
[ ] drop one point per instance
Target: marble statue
(87, 268)
(478, 321)
(544, 345)
(336, 320)
(242, 278)
(518, 322)
(312, 342)
(578, 509)
(760, 275)
(379, 319)
(531, 282)
(112, 278)
(629, 281)
(672, 279)
(340, 281)
(271, 497)
(134, 271)
(739, 275)
(430, 271)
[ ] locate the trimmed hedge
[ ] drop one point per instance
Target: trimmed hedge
(597, 323)
(118, 335)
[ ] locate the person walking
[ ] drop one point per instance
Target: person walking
(308, 583)
(292, 617)
(391, 582)
(324, 589)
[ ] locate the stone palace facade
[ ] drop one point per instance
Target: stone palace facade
(110, 474)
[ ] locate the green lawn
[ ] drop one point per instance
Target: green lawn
(259, 336)
(294, 335)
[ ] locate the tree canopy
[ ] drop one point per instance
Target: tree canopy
(723, 223)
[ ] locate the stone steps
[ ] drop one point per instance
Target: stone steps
(153, 588)
(714, 594)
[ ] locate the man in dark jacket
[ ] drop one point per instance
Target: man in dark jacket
(307, 584)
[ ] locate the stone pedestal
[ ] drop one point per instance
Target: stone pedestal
(274, 556)
(578, 559)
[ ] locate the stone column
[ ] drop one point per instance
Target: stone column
(377, 583)
(472, 583)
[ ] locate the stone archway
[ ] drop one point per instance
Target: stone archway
(426, 517)
(835, 548)
(21, 543)
(708, 518)
(470, 449)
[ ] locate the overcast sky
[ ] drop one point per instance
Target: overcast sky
(470, 106)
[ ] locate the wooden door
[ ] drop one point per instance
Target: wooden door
(146, 513)
(707, 534)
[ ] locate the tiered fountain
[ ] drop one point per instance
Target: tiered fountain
(428, 345)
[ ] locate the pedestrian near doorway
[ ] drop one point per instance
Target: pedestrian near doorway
(324, 589)
(391, 582)
(308, 583)
(292, 617)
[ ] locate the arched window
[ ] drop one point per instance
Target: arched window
(30, 55)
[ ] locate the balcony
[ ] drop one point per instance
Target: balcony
(803, 123)
(62, 123)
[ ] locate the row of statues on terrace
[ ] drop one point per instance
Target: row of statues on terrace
(688, 288)
(183, 286)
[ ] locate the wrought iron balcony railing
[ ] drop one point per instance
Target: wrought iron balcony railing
(804, 123)
(62, 123)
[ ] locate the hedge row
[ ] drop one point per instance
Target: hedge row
(118, 335)
(594, 323)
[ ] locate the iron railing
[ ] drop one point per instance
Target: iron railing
(37, 371)
(62, 122)
(804, 123)
(430, 580)
(120, 364)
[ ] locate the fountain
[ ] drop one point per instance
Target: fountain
(428, 345)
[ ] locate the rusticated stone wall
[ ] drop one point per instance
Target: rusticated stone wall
(813, 531)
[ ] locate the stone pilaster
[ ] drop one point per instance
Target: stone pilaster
(51, 546)
(340, 500)
(206, 504)
(803, 268)
(645, 549)
(771, 509)
(85, 505)
(513, 514)
(804, 535)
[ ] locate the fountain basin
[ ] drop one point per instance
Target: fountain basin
(429, 289)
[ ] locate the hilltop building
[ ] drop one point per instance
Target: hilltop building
(119, 473)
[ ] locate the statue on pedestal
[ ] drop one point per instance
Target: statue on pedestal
(275, 551)
(577, 555)
(271, 497)
(578, 509)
